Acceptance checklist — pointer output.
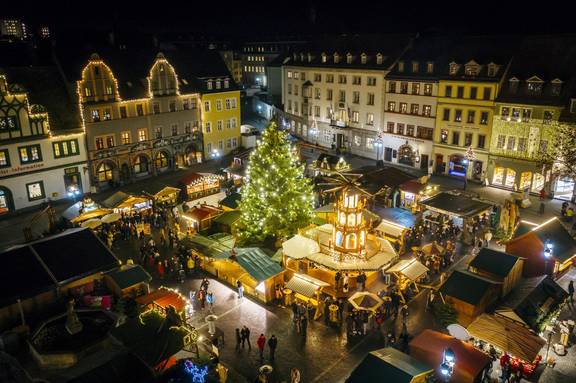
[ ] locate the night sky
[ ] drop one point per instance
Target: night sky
(246, 18)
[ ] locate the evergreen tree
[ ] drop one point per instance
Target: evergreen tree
(276, 197)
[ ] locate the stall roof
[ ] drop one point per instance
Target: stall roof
(131, 201)
(453, 204)
(532, 299)
(507, 335)
(115, 199)
(388, 364)
(396, 215)
(214, 246)
(57, 260)
(257, 263)
(163, 297)
(196, 177)
(157, 190)
(231, 201)
(129, 276)
(374, 263)
(410, 268)
(375, 179)
(467, 287)
(300, 247)
(494, 262)
(413, 187)
(228, 218)
(559, 236)
(96, 213)
(202, 212)
(305, 285)
(429, 346)
(523, 227)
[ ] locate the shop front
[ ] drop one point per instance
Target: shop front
(458, 165)
(6, 201)
(518, 175)
(73, 182)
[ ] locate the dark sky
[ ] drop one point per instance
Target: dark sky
(256, 18)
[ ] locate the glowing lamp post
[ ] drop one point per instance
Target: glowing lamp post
(468, 158)
(379, 143)
(448, 362)
(548, 246)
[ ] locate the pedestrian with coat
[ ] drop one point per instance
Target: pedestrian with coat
(272, 344)
(571, 291)
(261, 342)
(238, 339)
(246, 337)
(240, 289)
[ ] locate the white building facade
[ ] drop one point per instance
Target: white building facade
(38, 163)
(410, 114)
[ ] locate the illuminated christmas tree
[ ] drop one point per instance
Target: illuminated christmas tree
(276, 198)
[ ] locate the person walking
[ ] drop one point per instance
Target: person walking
(337, 278)
(210, 300)
(303, 324)
(246, 337)
(272, 344)
(430, 300)
(189, 265)
(261, 342)
(571, 291)
(240, 289)
(487, 237)
(238, 339)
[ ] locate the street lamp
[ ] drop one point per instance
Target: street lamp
(548, 246)
(314, 132)
(448, 362)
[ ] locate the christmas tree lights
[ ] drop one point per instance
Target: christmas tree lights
(276, 199)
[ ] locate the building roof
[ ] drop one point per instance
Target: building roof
(388, 364)
(115, 199)
(455, 204)
(564, 246)
(216, 246)
(129, 276)
(202, 212)
(375, 179)
(228, 218)
(50, 262)
(533, 299)
(466, 287)
(46, 87)
(131, 67)
(494, 262)
(257, 263)
(163, 297)
(396, 215)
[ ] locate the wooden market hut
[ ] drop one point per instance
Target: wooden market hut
(198, 185)
(227, 222)
(121, 201)
(529, 242)
(163, 195)
(533, 302)
(394, 226)
(508, 336)
(498, 266)
(34, 276)
(428, 347)
(159, 300)
(305, 288)
(327, 164)
(128, 281)
(470, 294)
(413, 191)
(256, 270)
(408, 272)
(230, 202)
(200, 216)
(390, 365)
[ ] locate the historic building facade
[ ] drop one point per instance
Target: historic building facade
(410, 113)
(464, 117)
(130, 138)
(336, 99)
(42, 152)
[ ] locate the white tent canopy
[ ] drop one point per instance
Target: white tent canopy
(299, 247)
(410, 268)
(390, 229)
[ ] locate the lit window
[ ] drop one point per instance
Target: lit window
(125, 138)
(142, 135)
(35, 191)
(4, 158)
(206, 106)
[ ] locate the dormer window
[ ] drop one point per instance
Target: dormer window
(415, 67)
(336, 58)
(492, 69)
(400, 66)
(226, 84)
(324, 57)
(556, 87)
(429, 67)
(161, 67)
(573, 105)
(349, 58)
(513, 85)
(534, 86)
(379, 59)
(209, 85)
(309, 57)
(301, 56)
(471, 69)
(363, 58)
(454, 68)
(218, 84)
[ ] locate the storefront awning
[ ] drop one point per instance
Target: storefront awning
(305, 285)
(410, 268)
(508, 336)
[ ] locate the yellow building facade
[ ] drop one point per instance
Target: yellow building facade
(463, 124)
(220, 121)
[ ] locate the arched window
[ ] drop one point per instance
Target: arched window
(338, 238)
(351, 241)
(352, 219)
(161, 160)
(141, 165)
(104, 172)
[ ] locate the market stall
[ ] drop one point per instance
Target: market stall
(459, 209)
(129, 280)
(327, 164)
(365, 300)
(163, 195)
(160, 299)
(305, 288)
(412, 192)
(200, 217)
(395, 226)
(121, 202)
(509, 337)
(198, 185)
(92, 214)
(408, 272)
(471, 364)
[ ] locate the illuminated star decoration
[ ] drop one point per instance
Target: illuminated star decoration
(198, 374)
